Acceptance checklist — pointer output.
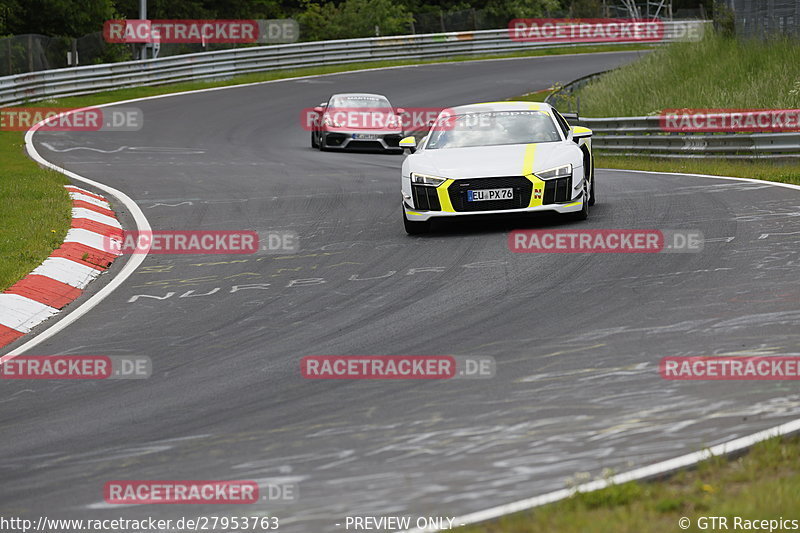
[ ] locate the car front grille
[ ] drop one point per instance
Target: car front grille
(522, 193)
(392, 140)
(425, 198)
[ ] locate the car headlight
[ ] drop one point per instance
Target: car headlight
(557, 172)
(424, 179)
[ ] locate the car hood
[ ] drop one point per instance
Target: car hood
(491, 161)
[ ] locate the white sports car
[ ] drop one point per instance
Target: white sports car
(497, 158)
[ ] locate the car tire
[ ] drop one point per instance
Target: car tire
(416, 227)
(321, 142)
(314, 143)
(592, 197)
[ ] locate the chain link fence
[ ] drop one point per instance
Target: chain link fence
(766, 18)
(32, 52)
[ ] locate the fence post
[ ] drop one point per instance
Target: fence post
(30, 53)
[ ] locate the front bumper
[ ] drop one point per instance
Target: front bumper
(531, 195)
(338, 140)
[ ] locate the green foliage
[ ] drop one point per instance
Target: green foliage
(511, 9)
(70, 18)
(586, 9)
(724, 20)
(351, 19)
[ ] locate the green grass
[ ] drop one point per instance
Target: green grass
(784, 172)
(35, 212)
(763, 484)
(717, 72)
(536, 96)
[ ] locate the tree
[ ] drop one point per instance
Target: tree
(352, 19)
(68, 18)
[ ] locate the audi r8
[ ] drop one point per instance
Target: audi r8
(497, 158)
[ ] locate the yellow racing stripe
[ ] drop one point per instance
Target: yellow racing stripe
(444, 197)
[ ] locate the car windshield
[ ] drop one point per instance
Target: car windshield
(349, 102)
(493, 128)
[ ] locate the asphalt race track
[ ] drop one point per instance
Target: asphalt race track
(577, 337)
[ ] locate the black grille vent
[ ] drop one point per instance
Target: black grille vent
(522, 193)
(425, 198)
(557, 190)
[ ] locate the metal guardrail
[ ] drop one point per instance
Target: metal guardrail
(225, 64)
(643, 136)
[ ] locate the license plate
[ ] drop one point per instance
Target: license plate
(483, 195)
(366, 136)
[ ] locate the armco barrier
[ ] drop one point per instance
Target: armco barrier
(224, 64)
(643, 136)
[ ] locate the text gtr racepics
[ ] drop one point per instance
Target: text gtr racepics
(497, 158)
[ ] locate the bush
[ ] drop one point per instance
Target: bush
(352, 19)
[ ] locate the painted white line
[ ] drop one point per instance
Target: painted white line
(82, 212)
(137, 259)
(54, 149)
(89, 199)
(129, 268)
(66, 271)
(650, 471)
(749, 180)
(646, 472)
(21, 313)
(90, 238)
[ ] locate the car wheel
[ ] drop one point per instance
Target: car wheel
(416, 227)
(321, 142)
(592, 197)
(314, 143)
(583, 214)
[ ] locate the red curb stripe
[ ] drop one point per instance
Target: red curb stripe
(96, 227)
(45, 290)
(87, 193)
(8, 335)
(96, 208)
(94, 258)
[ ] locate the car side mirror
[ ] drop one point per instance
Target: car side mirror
(318, 109)
(399, 111)
(409, 143)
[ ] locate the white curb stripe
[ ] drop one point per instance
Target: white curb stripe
(144, 226)
(82, 212)
(89, 199)
(79, 189)
(90, 238)
(21, 314)
(66, 271)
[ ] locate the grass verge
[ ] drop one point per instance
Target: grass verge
(788, 172)
(35, 212)
(761, 485)
(717, 72)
